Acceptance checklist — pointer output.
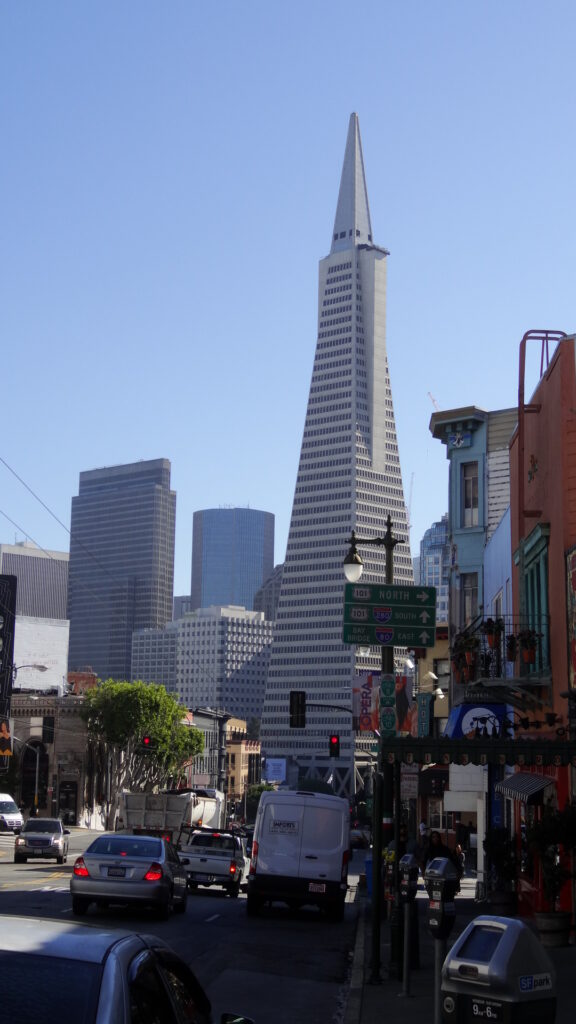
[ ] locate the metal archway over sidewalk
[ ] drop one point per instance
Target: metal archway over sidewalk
(523, 753)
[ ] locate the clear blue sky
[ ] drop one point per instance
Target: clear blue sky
(168, 181)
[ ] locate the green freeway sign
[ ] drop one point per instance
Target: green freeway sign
(390, 615)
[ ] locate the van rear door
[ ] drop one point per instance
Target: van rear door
(323, 841)
(281, 838)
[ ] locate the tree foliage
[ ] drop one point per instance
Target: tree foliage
(119, 715)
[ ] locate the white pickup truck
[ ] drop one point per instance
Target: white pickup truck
(214, 857)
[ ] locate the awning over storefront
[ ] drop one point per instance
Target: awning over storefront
(525, 787)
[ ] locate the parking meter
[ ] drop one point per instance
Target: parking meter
(442, 882)
(408, 877)
(498, 970)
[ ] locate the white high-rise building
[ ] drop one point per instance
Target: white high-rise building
(349, 478)
(213, 657)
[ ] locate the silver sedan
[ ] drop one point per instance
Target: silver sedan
(129, 869)
(53, 971)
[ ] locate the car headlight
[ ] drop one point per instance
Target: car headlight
(19, 841)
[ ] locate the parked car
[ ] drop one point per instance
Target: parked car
(42, 837)
(128, 869)
(10, 815)
(54, 971)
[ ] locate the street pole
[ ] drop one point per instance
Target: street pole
(383, 796)
(36, 779)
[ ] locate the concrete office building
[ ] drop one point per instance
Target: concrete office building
(42, 579)
(214, 657)
(348, 479)
(121, 563)
(232, 555)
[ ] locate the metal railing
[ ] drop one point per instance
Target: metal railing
(505, 650)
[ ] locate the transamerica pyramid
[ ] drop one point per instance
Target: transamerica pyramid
(349, 478)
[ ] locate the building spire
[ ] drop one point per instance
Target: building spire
(352, 222)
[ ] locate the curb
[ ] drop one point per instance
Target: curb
(353, 1011)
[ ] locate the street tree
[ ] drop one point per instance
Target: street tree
(142, 733)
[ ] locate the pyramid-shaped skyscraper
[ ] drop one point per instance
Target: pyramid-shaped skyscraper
(349, 478)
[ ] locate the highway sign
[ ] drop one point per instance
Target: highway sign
(389, 615)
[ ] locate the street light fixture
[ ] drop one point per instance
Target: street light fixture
(386, 780)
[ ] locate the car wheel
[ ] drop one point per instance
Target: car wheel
(19, 859)
(180, 907)
(233, 890)
(80, 905)
(59, 860)
(163, 910)
(192, 886)
(335, 911)
(253, 905)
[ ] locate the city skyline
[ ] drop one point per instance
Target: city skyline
(141, 314)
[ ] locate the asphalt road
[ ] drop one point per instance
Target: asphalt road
(282, 966)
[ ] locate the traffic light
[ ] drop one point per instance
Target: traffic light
(147, 743)
(297, 709)
(334, 745)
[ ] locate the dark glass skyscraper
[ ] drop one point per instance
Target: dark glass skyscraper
(232, 555)
(121, 572)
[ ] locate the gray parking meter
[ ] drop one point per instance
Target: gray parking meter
(498, 971)
(442, 883)
(408, 877)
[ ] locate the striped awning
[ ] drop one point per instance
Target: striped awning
(525, 787)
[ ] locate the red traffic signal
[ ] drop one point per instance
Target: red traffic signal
(147, 743)
(334, 745)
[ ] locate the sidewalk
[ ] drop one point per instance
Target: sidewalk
(370, 1003)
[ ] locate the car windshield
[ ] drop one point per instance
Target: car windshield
(42, 825)
(8, 807)
(126, 846)
(45, 988)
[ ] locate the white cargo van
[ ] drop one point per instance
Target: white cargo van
(10, 816)
(300, 852)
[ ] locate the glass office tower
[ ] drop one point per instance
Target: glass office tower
(121, 570)
(232, 555)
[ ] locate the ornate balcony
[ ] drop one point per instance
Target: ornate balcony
(504, 654)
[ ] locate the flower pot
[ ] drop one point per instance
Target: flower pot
(529, 655)
(469, 657)
(491, 639)
(553, 927)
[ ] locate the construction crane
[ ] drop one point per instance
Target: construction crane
(434, 402)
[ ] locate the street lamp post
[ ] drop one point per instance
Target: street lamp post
(384, 824)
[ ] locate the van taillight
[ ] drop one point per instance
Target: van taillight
(232, 867)
(345, 862)
(253, 858)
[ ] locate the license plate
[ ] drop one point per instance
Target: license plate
(486, 1009)
(40, 853)
(316, 887)
(202, 878)
(116, 872)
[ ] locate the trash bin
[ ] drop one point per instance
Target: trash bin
(368, 873)
(498, 970)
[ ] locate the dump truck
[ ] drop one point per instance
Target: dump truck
(171, 813)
